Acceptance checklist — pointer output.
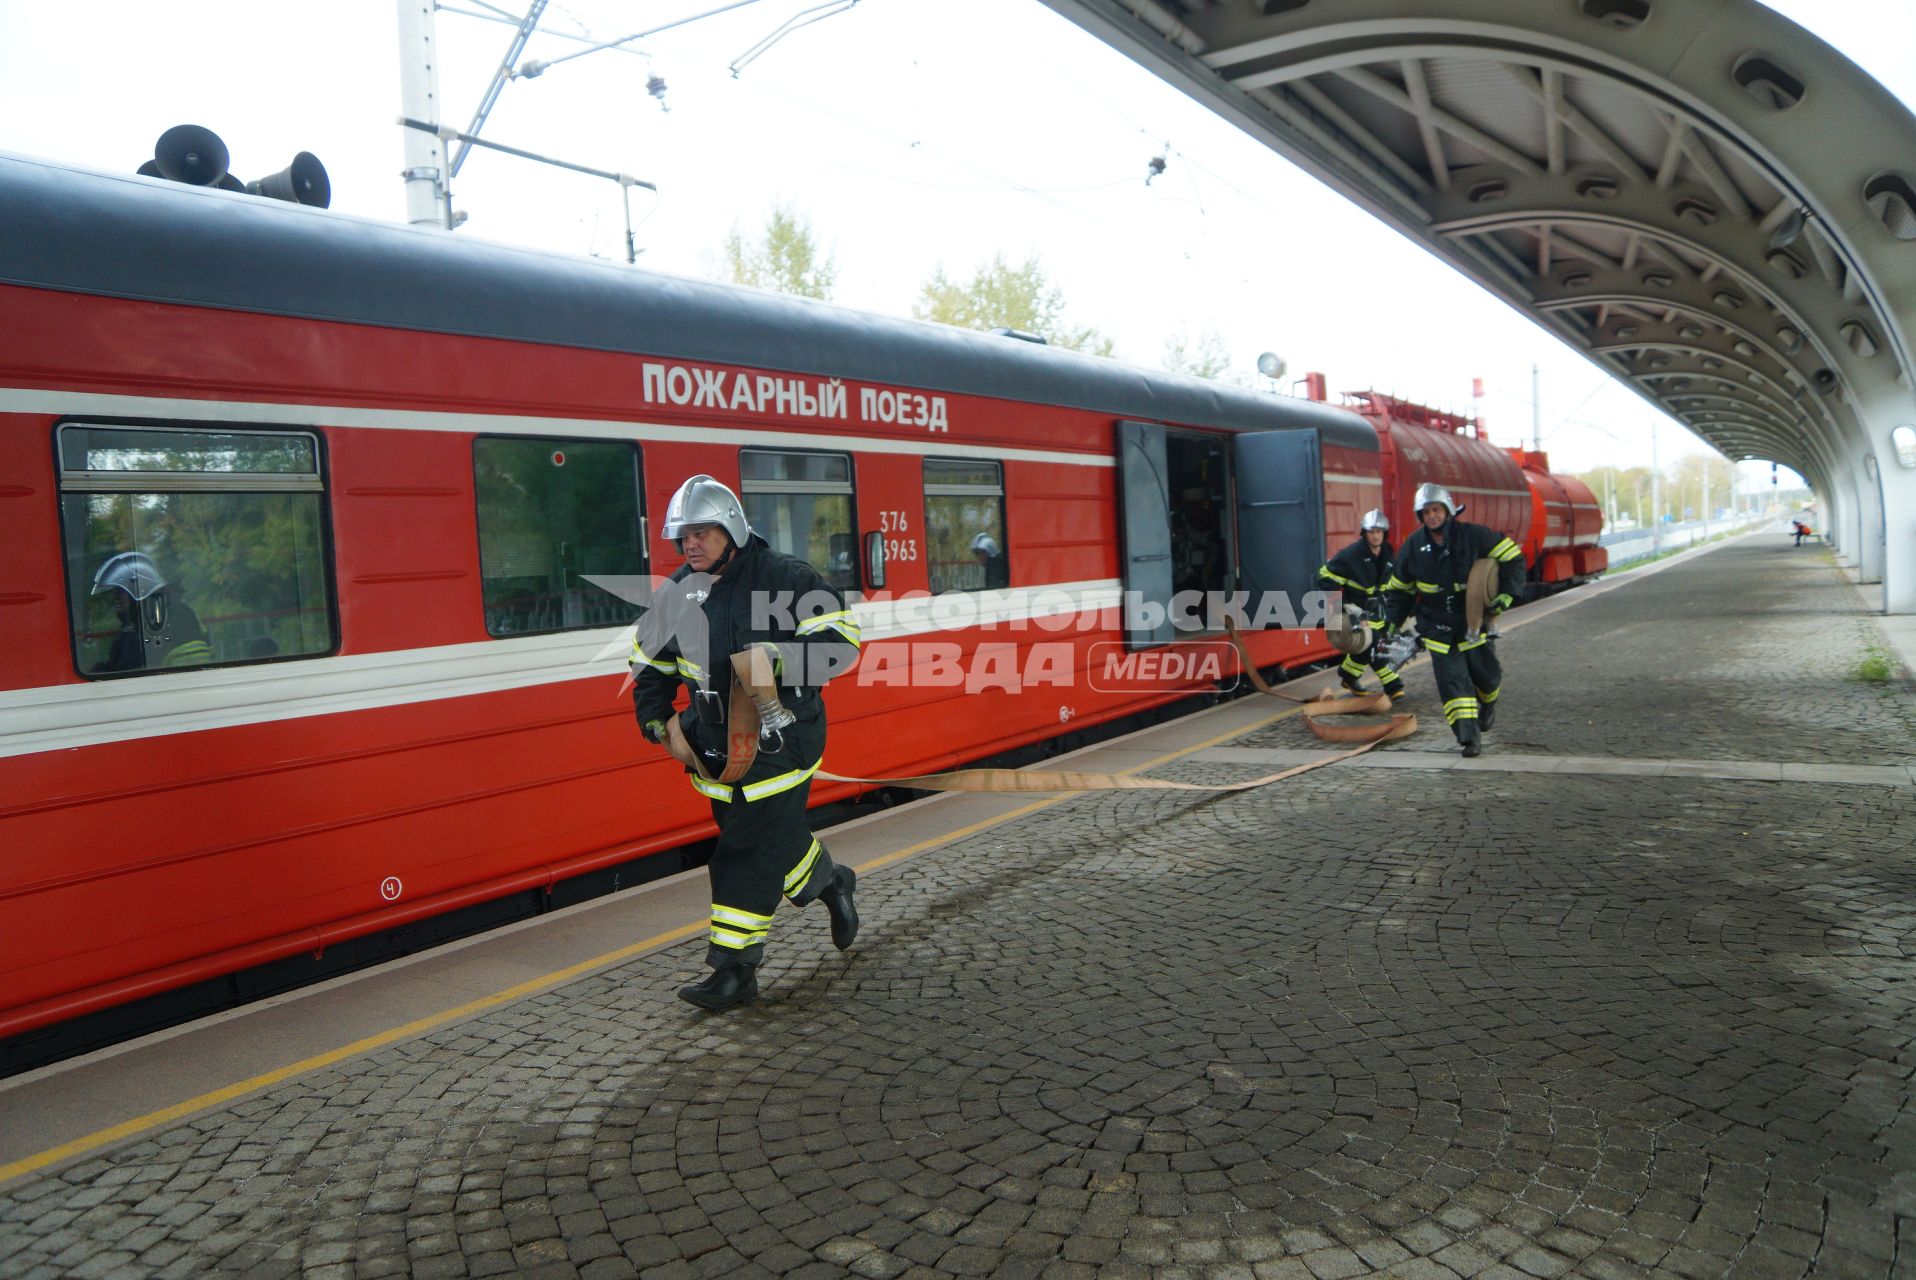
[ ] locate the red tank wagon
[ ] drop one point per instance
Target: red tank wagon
(365, 484)
(1555, 518)
(1565, 523)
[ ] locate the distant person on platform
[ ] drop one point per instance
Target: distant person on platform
(735, 593)
(1801, 530)
(1432, 576)
(991, 558)
(1361, 571)
(157, 630)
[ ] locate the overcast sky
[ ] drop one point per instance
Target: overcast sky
(912, 133)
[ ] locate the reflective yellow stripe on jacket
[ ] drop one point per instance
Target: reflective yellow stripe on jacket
(783, 782)
(718, 791)
(753, 790)
(840, 621)
(191, 654)
(640, 658)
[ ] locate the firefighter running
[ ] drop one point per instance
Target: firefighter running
(1432, 574)
(735, 592)
(1362, 571)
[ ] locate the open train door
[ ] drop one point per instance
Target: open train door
(1280, 518)
(1145, 502)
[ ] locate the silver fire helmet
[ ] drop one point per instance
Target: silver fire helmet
(130, 571)
(1429, 493)
(1375, 519)
(703, 500)
(983, 544)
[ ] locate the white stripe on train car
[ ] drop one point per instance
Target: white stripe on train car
(269, 413)
(1489, 493)
(62, 717)
(1338, 477)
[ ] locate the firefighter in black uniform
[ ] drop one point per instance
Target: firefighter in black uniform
(157, 629)
(1432, 573)
(732, 593)
(1361, 571)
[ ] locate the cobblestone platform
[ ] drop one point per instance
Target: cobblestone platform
(1420, 1022)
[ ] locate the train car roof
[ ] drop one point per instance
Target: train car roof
(119, 235)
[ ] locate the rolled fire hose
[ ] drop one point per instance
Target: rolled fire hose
(1350, 635)
(754, 702)
(1480, 588)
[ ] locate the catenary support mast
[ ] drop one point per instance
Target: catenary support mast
(428, 199)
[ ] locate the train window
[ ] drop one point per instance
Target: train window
(801, 503)
(552, 515)
(192, 547)
(965, 525)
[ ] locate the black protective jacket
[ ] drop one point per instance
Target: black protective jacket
(698, 620)
(1432, 576)
(1360, 574)
(178, 641)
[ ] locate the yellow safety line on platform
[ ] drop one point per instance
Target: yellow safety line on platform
(417, 1026)
(180, 1110)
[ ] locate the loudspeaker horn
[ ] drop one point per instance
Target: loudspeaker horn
(187, 153)
(303, 181)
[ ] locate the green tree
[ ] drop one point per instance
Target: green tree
(1204, 356)
(1700, 486)
(785, 258)
(1624, 493)
(999, 295)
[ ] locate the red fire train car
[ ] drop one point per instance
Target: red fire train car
(310, 613)
(314, 528)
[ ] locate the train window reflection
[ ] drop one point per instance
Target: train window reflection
(192, 548)
(965, 544)
(801, 503)
(554, 514)
(118, 449)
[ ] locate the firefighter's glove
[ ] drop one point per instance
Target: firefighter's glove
(1501, 603)
(654, 731)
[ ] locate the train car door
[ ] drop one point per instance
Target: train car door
(1144, 499)
(1202, 533)
(1280, 515)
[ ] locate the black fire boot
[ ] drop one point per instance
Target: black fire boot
(1471, 737)
(735, 984)
(837, 897)
(1486, 713)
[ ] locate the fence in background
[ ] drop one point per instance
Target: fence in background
(1635, 544)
